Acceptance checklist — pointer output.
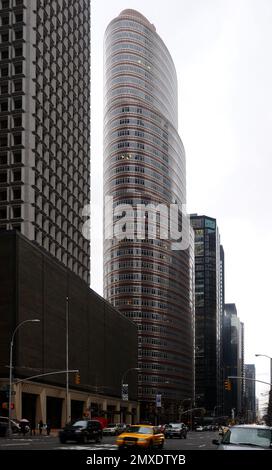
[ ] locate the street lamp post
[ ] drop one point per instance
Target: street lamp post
(35, 320)
(264, 355)
(216, 406)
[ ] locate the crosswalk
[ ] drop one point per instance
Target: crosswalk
(88, 447)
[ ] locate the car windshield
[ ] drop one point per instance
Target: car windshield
(175, 425)
(111, 425)
(80, 424)
(140, 430)
(248, 436)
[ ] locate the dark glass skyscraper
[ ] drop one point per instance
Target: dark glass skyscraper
(145, 163)
(250, 393)
(209, 293)
(45, 125)
(233, 356)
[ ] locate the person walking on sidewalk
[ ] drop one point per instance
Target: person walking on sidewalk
(32, 428)
(40, 426)
(48, 428)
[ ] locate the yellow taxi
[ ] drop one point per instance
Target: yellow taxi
(141, 436)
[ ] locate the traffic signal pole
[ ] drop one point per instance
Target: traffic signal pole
(247, 378)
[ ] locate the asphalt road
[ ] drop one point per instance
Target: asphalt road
(194, 441)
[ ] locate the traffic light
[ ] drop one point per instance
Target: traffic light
(77, 378)
(227, 384)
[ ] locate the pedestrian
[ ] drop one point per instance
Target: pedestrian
(23, 428)
(40, 426)
(48, 428)
(32, 428)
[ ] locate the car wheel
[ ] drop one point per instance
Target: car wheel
(84, 439)
(62, 440)
(98, 440)
(160, 446)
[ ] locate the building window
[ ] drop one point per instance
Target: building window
(17, 139)
(17, 195)
(5, 4)
(4, 54)
(3, 177)
(3, 213)
(5, 20)
(17, 212)
(18, 102)
(4, 141)
(3, 124)
(17, 156)
(17, 120)
(18, 51)
(19, 17)
(18, 85)
(3, 195)
(4, 106)
(4, 88)
(17, 175)
(18, 34)
(3, 158)
(4, 71)
(18, 68)
(4, 37)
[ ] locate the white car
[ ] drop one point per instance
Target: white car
(112, 429)
(246, 437)
(199, 428)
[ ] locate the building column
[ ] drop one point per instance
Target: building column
(41, 407)
(129, 409)
(118, 410)
(138, 412)
(87, 408)
(66, 410)
(105, 406)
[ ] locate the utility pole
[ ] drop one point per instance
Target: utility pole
(67, 362)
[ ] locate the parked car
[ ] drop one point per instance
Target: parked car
(141, 436)
(113, 429)
(175, 430)
(199, 428)
(15, 426)
(246, 437)
(81, 431)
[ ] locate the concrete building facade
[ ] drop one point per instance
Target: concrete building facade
(45, 125)
(102, 341)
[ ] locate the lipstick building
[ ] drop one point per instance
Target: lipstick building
(144, 163)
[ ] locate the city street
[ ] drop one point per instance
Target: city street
(194, 441)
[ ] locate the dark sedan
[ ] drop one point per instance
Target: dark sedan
(81, 431)
(175, 430)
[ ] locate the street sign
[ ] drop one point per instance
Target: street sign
(125, 392)
(158, 401)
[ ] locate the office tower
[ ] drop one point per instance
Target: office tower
(45, 125)
(233, 340)
(250, 393)
(208, 312)
(220, 397)
(145, 164)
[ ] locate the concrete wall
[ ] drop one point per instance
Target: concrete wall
(102, 342)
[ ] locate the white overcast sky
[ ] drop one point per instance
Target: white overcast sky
(223, 57)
